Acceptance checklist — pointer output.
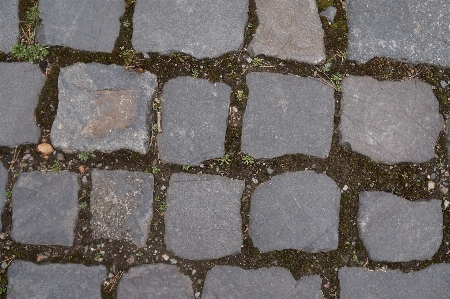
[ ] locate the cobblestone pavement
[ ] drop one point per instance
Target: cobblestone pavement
(238, 149)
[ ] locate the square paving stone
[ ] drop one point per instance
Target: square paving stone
(69, 281)
(229, 282)
(391, 122)
(102, 107)
(411, 31)
(3, 199)
(155, 282)
(194, 120)
(20, 87)
(394, 229)
(287, 114)
(203, 218)
(196, 27)
(45, 208)
(9, 24)
(84, 24)
(429, 283)
(121, 205)
(298, 210)
(289, 29)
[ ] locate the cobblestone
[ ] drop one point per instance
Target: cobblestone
(3, 198)
(9, 20)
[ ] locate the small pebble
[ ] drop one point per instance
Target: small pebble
(269, 170)
(255, 181)
(345, 188)
(431, 185)
(165, 257)
(444, 190)
(446, 204)
(173, 261)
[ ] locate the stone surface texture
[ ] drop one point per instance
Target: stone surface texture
(45, 208)
(102, 107)
(298, 210)
(229, 282)
(18, 103)
(9, 24)
(289, 29)
(194, 120)
(3, 199)
(286, 114)
(391, 122)
(71, 281)
(329, 13)
(155, 282)
(91, 25)
(411, 31)
(203, 216)
(394, 229)
(199, 28)
(121, 205)
(431, 282)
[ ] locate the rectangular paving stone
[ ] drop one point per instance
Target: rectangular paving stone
(203, 218)
(298, 210)
(20, 87)
(196, 27)
(289, 29)
(194, 120)
(155, 281)
(69, 281)
(91, 25)
(430, 283)
(394, 229)
(102, 107)
(227, 282)
(287, 114)
(3, 198)
(9, 24)
(390, 122)
(45, 208)
(121, 205)
(411, 31)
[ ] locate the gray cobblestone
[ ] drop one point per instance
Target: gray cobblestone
(9, 21)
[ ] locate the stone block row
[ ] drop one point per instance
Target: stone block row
(298, 210)
(28, 280)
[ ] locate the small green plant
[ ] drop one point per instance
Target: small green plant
(248, 160)
(83, 156)
(326, 66)
(98, 257)
(156, 198)
(336, 81)
(186, 167)
(2, 289)
(8, 193)
(440, 165)
(155, 127)
(129, 2)
(195, 73)
(240, 95)
(163, 206)
(83, 205)
(225, 159)
(155, 169)
(249, 25)
(29, 53)
(257, 61)
(129, 56)
(56, 166)
(404, 175)
(126, 23)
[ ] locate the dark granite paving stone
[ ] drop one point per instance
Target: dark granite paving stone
(121, 205)
(391, 122)
(69, 281)
(298, 210)
(194, 120)
(227, 282)
(3, 199)
(9, 25)
(91, 25)
(203, 216)
(411, 31)
(394, 229)
(289, 29)
(196, 27)
(20, 86)
(430, 283)
(102, 107)
(155, 282)
(45, 208)
(287, 114)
